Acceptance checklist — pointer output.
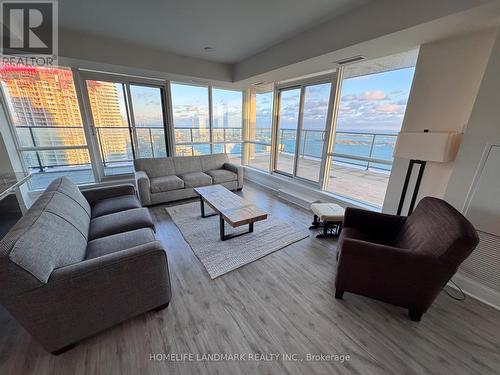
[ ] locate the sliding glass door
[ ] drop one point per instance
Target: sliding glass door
(112, 126)
(128, 122)
(288, 125)
(302, 130)
(313, 131)
(148, 109)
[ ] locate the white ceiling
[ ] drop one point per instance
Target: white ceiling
(235, 29)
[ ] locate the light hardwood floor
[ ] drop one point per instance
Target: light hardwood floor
(282, 303)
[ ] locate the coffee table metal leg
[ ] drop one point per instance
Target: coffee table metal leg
(221, 228)
(224, 237)
(202, 207)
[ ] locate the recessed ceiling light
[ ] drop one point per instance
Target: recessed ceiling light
(208, 49)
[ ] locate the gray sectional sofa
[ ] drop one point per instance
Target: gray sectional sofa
(79, 262)
(161, 180)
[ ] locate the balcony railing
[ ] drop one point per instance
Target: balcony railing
(45, 147)
(366, 150)
(187, 135)
(65, 146)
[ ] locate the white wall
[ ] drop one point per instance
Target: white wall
(474, 186)
(447, 78)
(74, 45)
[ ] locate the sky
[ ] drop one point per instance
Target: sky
(190, 106)
(372, 103)
(376, 102)
(147, 106)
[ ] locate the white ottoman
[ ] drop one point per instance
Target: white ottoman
(328, 216)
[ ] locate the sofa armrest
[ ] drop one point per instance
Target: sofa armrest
(144, 187)
(238, 169)
(372, 222)
(84, 298)
(96, 194)
(99, 264)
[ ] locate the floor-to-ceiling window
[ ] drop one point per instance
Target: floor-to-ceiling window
(313, 130)
(371, 101)
(288, 125)
(370, 115)
(227, 115)
(191, 119)
(128, 118)
(46, 116)
(303, 129)
(111, 121)
(259, 133)
(207, 120)
(147, 104)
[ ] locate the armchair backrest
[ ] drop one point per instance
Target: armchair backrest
(438, 229)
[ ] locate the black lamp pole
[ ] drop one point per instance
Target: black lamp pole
(417, 185)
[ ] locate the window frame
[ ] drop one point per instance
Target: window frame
(333, 79)
(250, 99)
(82, 76)
(20, 149)
(211, 128)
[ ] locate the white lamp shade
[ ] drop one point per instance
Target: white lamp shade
(439, 147)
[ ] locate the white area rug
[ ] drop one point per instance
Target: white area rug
(220, 257)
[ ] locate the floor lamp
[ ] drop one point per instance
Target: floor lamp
(420, 148)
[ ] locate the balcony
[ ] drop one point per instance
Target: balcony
(360, 167)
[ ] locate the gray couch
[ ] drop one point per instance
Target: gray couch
(161, 180)
(79, 262)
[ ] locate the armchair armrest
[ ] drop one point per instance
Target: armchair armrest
(369, 252)
(144, 187)
(400, 276)
(238, 169)
(96, 194)
(371, 222)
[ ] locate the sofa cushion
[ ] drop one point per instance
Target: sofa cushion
(115, 204)
(120, 222)
(222, 175)
(49, 243)
(66, 208)
(118, 242)
(166, 183)
(65, 186)
(187, 164)
(195, 179)
(155, 167)
(214, 161)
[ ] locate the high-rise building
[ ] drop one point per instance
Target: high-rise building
(45, 112)
(110, 119)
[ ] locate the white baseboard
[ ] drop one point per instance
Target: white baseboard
(277, 182)
(478, 291)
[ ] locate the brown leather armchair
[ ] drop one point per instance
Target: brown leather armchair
(405, 261)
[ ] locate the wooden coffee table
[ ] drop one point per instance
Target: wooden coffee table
(231, 208)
